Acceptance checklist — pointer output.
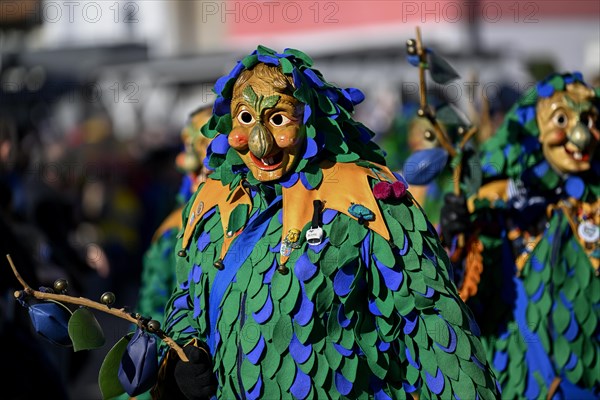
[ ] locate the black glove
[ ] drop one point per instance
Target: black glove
(454, 218)
(195, 378)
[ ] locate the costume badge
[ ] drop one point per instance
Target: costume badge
(290, 242)
(589, 232)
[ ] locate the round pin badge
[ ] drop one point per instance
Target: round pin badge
(589, 232)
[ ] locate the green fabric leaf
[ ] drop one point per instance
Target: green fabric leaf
(411, 261)
(320, 375)
(301, 56)
(324, 297)
(108, 379)
(272, 360)
(291, 298)
(347, 253)
(334, 358)
(383, 251)
(280, 285)
(339, 231)
(561, 351)
(249, 337)
(533, 316)
(394, 227)
(325, 105)
(224, 125)
(447, 362)
(381, 366)
(250, 61)
(428, 360)
(313, 285)
(283, 336)
(230, 307)
(576, 373)
(450, 310)
(419, 219)
(249, 373)
(256, 302)
(561, 317)
(286, 66)
(356, 233)
(463, 346)
(334, 330)
(303, 332)
(464, 388)
(265, 51)
(346, 158)
(85, 331)
(349, 367)
(314, 175)
(386, 304)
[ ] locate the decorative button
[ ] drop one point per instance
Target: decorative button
(283, 270)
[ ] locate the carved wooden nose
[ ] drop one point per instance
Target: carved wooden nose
(260, 141)
(580, 136)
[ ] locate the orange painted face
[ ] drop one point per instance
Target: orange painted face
(189, 160)
(267, 129)
(421, 135)
(568, 123)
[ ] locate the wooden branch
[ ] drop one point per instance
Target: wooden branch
(82, 301)
(470, 133)
(14, 269)
(422, 62)
(441, 135)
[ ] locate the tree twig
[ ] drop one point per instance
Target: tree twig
(14, 269)
(82, 301)
(425, 110)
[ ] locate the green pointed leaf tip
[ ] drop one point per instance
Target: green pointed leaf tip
(108, 379)
(269, 102)
(85, 331)
(250, 96)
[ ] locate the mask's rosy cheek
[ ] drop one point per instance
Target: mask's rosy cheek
(288, 137)
(238, 139)
(555, 137)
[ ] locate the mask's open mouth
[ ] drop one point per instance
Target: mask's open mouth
(576, 154)
(268, 163)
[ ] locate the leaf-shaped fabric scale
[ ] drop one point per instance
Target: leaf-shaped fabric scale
(449, 114)
(85, 331)
(441, 71)
(424, 166)
(108, 379)
(51, 320)
(139, 365)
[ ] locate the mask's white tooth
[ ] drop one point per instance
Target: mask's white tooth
(577, 155)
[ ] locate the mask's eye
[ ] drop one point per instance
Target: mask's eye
(430, 136)
(245, 118)
(560, 119)
(589, 119)
(279, 120)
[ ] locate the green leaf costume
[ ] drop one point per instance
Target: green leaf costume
(538, 302)
(370, 312)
